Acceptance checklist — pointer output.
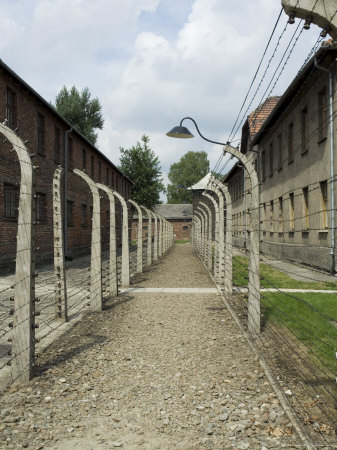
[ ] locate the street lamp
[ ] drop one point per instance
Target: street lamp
(254, 262)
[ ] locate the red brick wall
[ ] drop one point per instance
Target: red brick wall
(27, 108)
(182, 228)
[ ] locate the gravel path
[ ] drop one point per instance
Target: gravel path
(152, 371)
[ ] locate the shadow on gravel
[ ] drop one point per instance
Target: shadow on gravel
(121, 299)
(68, 346)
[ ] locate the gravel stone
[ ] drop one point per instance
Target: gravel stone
(154, 371)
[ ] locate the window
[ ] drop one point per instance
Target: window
(271, 215)
(263, 165)
(84, 159)
(280, 215)
(305, 192)
(70, 213)
(92, 167)
(185, 227)
(291, 212)
(271, 160)
(99, 171)
(84, 215)
(11, 201)
(304, 130)
(322, 114)
(107, 218)
(264, 224)
(11, 108)
(41, 136)
(117, 183)
(290, 143)
(324, 203)
(279, 151)
(107, 176)
(40, 208)
(70, 154)
(57, 147)
(112, 180)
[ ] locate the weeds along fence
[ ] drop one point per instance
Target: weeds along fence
(295, 325)
(34, 304)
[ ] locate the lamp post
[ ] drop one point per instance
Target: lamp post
(254, 263)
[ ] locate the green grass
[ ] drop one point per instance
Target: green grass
(181, 241)
(312, 319)
(273, 278)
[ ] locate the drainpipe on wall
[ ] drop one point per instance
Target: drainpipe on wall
(332, 190)
(245, 208)
(65, 221)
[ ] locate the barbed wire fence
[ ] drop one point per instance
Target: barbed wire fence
(35, 304)
(297, 318)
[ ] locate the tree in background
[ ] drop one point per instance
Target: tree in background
(140, 164)
(189, 170)
(83, 112)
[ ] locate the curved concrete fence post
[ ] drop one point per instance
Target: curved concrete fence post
(209, 238)
(113, 276)
(216, 233)
(125, 277)
(61, 303)
(321, 13)
(204, 230)
(254, 314)
(221, 234)
(197, 232)
(96, 248)
(228, 232)
(155, 239)
(149, 235)
(160, 242)
(139, 236)
(24, 287)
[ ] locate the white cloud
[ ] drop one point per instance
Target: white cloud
(148, 80)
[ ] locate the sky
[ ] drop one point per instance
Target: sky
(153, 62)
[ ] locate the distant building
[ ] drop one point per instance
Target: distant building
(179, 216)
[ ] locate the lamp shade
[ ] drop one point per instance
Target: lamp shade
(180, 132)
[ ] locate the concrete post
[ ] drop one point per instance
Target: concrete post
(149, 235)
(209, 227)
(96, 248)
(217, 220)
(125, 279)
(204, 233)
(113, 276)
(221, 241)
(139, 237)
(229, 243)
(155, 240)
(321, 13)
(61, 303)
(254, 316)
(24, 288)
(161, 235)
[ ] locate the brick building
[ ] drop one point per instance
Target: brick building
(179, 216)
(49, 136)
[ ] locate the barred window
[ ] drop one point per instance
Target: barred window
(11, 201)
(41, 136)
(40, 208)
(70, 213)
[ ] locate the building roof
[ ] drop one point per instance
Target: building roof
(201, 184)
(325, 55)
(56, 113)
(260, 114)
(175, 211)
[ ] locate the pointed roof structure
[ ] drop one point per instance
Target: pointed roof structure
(201, 184)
